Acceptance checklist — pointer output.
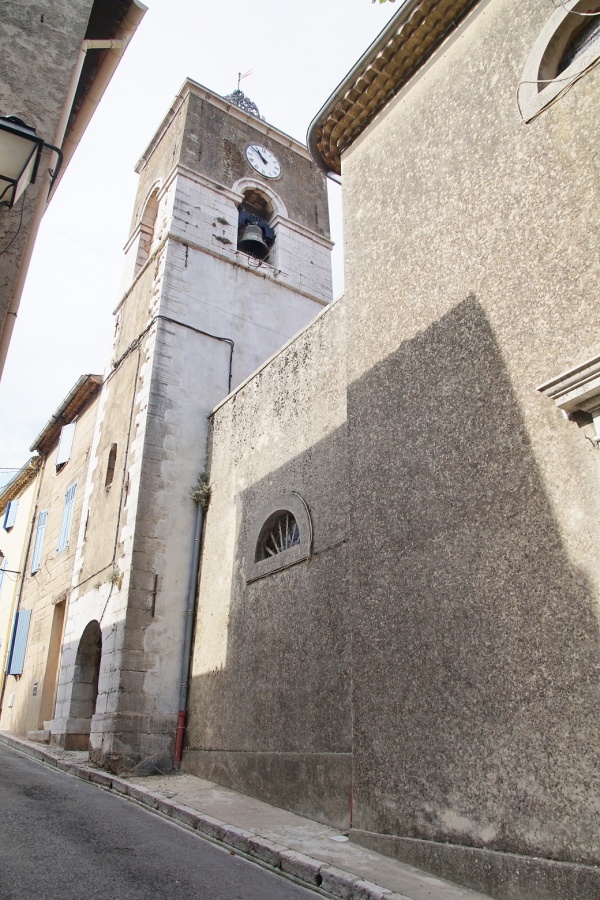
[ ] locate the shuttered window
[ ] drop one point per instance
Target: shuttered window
(65, 528)
(39, 540)
(16, 657)
(2, 568)
(10, 515)
(65, 444)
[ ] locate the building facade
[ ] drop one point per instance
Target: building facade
(56, 64)
(396, 608)
(47, 544)
(17, 502)
(419, 664)
(223, 265)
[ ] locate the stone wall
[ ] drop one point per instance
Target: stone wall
(270, 688)
(196, 320)
(46, 591)
(468, 580)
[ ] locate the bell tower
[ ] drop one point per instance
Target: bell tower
(228, 257)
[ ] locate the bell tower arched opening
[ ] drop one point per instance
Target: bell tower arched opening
(147, 227)
(255, 235)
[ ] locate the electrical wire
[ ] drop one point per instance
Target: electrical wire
(574, 12)
(12, 240)
(570, 79)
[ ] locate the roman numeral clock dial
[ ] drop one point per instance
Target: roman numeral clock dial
(265, 162)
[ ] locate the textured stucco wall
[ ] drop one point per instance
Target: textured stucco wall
(270, 692)
(40, 43)
(471, 277)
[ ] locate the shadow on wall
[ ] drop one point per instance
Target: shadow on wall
(274, 722)
(475, 641)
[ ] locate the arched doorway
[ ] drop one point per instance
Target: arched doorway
(85, 684)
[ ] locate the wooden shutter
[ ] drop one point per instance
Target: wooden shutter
(65, 528)
(19, 643)
(39, 540)
(10, 515)
(63, 454)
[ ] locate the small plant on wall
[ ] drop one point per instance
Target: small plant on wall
(200, 494)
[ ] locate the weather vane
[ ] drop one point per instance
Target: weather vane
(245, 75)
(239, 99)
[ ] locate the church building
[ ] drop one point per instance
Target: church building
(343, 556)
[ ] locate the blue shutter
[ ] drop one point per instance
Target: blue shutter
(18, 644)
(10, 515)
(65, 528)
(65, 444)
(39, 540)
(2, 568)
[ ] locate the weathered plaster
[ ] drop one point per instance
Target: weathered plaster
(471, 271)
(270, 691)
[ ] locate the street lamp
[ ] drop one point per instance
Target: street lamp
(11, 571)
(20, 151)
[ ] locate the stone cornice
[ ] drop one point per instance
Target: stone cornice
(578, 389)
(409, 39)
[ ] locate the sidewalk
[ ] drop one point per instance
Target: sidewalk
(314, 854)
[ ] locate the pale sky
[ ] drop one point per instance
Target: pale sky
(298, 52)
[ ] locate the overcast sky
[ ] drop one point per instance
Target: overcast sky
(298, 52)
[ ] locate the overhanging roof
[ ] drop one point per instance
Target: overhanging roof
(407, 41)
(19, 482)
(74, 403)
(114, 20)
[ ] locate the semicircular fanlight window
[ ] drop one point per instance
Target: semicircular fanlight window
(586, 36)
(279, 533)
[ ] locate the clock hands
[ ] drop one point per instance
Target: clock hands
(265, 161)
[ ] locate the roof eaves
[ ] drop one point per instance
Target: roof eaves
(74, 403)
(408, 40)
(20, 481)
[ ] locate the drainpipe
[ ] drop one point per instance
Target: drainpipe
(186, 659)
(116, 48)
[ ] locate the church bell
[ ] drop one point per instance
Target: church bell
(251, 241)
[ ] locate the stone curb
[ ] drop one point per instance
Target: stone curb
(312, 872)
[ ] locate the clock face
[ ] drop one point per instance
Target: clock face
(265, 162)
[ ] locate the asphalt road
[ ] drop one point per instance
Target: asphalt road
(64, 839)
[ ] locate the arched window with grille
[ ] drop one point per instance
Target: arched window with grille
(281, 536)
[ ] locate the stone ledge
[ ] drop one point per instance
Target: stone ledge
(505, 876)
